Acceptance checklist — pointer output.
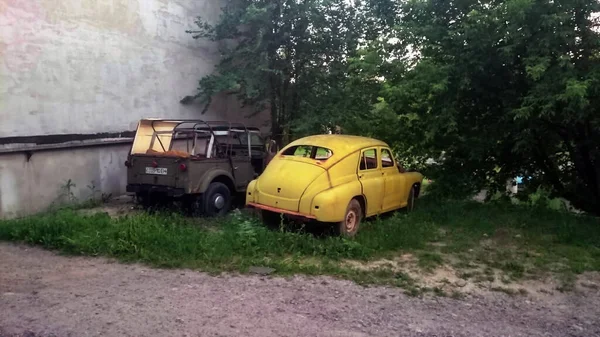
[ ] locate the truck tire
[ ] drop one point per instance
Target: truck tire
(216, 199)
(193, 205)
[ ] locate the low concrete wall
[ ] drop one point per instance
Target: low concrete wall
(30, 186)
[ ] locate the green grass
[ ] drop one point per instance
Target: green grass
(429, 260)
(519, 241)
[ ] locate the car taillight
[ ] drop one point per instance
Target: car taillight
(183, 167)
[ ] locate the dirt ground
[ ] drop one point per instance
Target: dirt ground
(44, 294)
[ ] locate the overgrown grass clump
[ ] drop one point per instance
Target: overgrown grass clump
(511, 238)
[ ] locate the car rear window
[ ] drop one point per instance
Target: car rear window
(309, 151)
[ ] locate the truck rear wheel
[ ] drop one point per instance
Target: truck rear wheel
(216, 199)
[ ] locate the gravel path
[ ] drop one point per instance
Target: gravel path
(43, 294)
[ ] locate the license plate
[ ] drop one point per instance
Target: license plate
(156, 170)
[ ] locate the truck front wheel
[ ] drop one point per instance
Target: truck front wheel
(217, 199)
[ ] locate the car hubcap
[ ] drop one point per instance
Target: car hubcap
(219, 201)
(350, 221)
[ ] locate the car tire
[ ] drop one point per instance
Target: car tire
(352, 218)
(216, 200)
(410, 205)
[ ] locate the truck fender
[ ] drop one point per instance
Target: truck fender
(209, 177)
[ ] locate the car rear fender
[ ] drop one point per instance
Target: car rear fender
(330, 205)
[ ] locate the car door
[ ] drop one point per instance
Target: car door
(393, 181)
(370, 177)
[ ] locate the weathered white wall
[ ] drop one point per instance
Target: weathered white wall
(92, 66)
(31, 186)
(86, 66)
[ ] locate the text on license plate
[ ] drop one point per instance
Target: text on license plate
(156, 170)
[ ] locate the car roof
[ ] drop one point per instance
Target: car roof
(339, 144)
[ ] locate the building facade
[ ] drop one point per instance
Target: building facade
(77, 75)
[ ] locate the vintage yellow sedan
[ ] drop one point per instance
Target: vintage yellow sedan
(338, 179)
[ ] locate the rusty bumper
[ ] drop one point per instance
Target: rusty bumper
(283, 211)
(144, 189)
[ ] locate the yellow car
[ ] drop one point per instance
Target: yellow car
(337, 179)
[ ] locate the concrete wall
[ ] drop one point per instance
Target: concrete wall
(31, 186)
(94, 66)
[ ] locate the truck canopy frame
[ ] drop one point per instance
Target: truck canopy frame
(157, 135)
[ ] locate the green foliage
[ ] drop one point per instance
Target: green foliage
(289, 56)
(489, 90)
(510, 85)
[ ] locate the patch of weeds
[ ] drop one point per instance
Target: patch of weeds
(413, 291)
(445, 281)
(567, 282)
(429, 261)
(483, 278)
(465, 265)
(589, 285)
(508, 291)
(466, 275)
(515, 269)
(404, 280)
(457, 295)
(439, 292)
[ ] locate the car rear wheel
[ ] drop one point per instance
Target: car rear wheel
(353, 216)
(216, 199)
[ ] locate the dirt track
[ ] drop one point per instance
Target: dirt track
(43, 294)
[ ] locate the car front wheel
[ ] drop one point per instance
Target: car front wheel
(353, 216)
(216, 199)
(410, 205)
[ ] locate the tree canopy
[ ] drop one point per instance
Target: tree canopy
(489, 89)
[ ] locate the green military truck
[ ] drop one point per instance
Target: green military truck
(203, 164)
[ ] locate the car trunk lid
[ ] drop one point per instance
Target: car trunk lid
(284, 181)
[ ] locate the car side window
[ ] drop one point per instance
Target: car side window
(386, 158)
(368, 160)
